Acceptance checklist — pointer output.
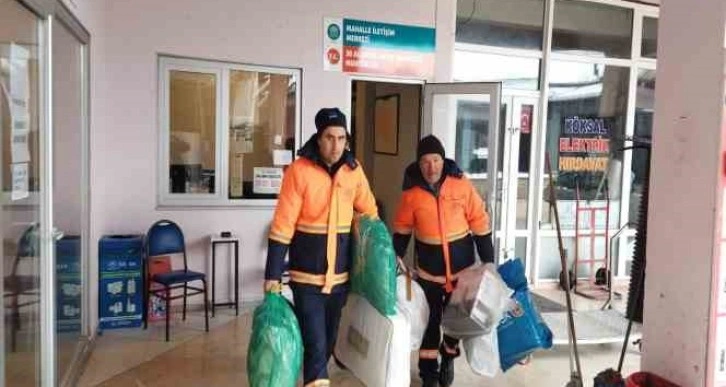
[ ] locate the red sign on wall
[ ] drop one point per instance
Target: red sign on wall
(525, 119)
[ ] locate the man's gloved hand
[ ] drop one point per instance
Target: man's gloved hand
(273, 286)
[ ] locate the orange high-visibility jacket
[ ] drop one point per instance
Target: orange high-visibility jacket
(314, 214)
(447, 224)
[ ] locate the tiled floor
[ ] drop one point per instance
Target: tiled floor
(21, 364)
(138, 358)
(117, 351)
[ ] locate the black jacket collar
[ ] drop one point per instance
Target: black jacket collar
(311, 152)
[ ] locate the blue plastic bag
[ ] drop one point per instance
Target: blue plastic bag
(522, 330)
(512, 273)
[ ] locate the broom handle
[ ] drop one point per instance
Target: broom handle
(563, 261)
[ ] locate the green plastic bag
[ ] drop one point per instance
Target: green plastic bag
(373, 275)
(274, 356)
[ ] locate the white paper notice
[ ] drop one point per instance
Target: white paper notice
(18, 97)
(278, 139)
(19, 77)
(20, 115)
(20, 152)
(281, 157)
(20, 181)
(267, 180)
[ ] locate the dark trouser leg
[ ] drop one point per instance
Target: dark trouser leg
(310, 309)
(450, 347)
(428, 363)
(449, 351)
(333, 311)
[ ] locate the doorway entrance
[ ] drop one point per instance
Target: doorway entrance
(389, 118)
(385, 129)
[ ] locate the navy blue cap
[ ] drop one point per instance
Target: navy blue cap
(330, 117)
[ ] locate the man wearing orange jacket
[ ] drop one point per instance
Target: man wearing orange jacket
(448, 217)
(319, 194)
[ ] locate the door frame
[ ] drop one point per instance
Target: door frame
(494, 89)
(510, 178)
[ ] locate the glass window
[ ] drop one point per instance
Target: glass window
(511, 23)
(516, 73)
(585, 128)
(649, 44)
(240, 120)
(472, 136)
(587, 28)
(193, 133)
(644, 108)
(550, 265)
(629, 257)
(261, 113)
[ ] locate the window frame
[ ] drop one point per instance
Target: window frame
(636, 20)
(222, 70)
(542, 28)
(636, 62)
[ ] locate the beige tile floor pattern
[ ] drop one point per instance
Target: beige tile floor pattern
(142, 358)
(21, 365)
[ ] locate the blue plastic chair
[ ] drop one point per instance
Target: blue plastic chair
(166, 238)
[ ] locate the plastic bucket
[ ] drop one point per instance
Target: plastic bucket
(645, 379)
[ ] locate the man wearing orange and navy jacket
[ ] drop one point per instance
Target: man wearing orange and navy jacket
(448, 217)
(319, 194)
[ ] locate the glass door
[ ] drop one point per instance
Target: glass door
(22, 211)
(462, 116)
(70, 187)
(519, 120)
(44, 176)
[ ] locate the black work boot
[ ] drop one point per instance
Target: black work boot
(446, 372)
(430, 382)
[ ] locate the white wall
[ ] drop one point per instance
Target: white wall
(88, 12)
(124, 113)
(445, 40)
(683, 211)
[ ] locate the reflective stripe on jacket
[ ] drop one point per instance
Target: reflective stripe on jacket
(313, 217)
(444, 224)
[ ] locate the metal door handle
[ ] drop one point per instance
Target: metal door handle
(57, 234)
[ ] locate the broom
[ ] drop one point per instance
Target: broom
(575, 369)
